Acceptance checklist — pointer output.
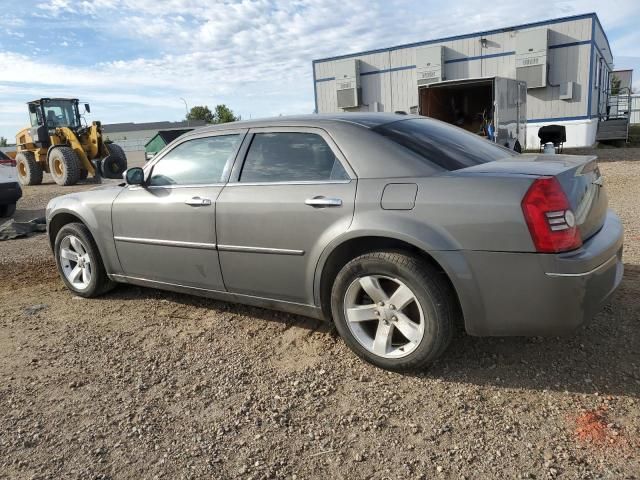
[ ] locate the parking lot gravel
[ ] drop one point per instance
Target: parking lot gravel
(146, 384)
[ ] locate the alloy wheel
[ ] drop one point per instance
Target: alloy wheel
(384, 315)
(75, 262)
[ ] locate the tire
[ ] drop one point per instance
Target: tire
(83, 174)
(429, 317)
(114, 164)
(64, 166)
(97, 281)
(29, 170)
(7, 210)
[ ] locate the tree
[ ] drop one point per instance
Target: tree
(615, 84)
(221, 114)
(224, 114)
(3, 142)
(200, 112)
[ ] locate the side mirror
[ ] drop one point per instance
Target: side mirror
(87, 108)
(134, 176)
(32, 108)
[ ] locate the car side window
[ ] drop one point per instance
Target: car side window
(196, 162)
(290, 157)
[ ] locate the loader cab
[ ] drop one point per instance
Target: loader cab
(47, 114)
(54, 113)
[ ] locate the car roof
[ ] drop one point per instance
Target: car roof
(363, 119)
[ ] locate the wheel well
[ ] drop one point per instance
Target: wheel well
(59, 221)
(355, 247)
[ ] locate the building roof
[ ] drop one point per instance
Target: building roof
(468, 35)
(135, 127)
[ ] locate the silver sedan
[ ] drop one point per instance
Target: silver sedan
(398, 228)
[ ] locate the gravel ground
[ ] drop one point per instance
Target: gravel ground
(147, 384)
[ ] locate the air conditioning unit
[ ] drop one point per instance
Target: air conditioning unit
(348, 92)
(531, 57)
(429, 64)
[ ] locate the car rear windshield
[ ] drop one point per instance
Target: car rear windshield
(439, 143)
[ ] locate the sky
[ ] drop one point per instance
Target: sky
(135, 60)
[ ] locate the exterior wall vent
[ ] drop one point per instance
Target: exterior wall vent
(531, 57)
(430, 64)
(348, 92)
(567, 90)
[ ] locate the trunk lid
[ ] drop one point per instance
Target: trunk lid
(578, 175)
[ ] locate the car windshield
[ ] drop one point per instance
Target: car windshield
(439, 143)
(60, 113)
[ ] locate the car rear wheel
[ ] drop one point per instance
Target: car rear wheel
(393, 310)
(64, 166)
(79, 262)
(29, 170)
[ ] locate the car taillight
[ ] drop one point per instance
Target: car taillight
(549, 217)
(8, 161)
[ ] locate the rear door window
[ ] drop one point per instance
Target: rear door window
(442, 144)
(291, 157)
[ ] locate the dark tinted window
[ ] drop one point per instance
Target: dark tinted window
(442, 144)
(196, 162)
(4, 157)
(290, 157)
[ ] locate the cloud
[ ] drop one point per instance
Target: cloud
(134, 59)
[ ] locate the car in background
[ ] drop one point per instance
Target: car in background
(396, 227)
(10, 191)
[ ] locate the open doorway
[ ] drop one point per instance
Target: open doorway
(467, 105)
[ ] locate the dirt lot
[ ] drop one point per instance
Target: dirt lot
(147, 384)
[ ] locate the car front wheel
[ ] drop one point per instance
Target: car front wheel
(79, 262)
(394, 310)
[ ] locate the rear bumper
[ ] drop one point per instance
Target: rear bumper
(539, 294)
(10, 193)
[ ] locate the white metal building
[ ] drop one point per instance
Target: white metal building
(565, 62)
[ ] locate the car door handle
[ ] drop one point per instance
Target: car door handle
(198, 202)
(322, 202)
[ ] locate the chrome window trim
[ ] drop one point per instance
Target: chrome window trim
(293, 182)
(246, 249)
(583, 274)
(166, 243)
(194, 185)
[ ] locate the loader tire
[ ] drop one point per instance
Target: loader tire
(29, 170)
(83, 174)
(64, 166)
(114, 164)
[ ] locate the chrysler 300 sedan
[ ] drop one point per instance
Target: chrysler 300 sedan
(397, 228)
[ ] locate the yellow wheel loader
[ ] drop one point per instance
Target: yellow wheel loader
(57, 142)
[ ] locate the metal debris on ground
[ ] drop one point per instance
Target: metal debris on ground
(12, 229)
